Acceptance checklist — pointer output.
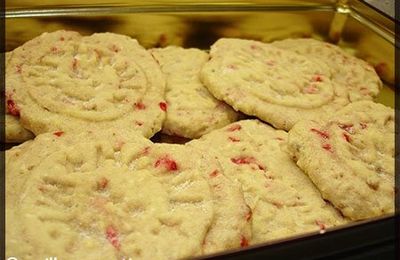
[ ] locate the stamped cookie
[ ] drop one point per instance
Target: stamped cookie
(117, 197)
(357, 76)
(276, 85)
(282, 199)
(72, 83)
(350, 158)
(192, 111)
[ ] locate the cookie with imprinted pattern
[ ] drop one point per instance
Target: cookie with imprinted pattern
(350, 158)
(62, 81)
(278, 86)
(283, 200)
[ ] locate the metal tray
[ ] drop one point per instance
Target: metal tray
(357, 27)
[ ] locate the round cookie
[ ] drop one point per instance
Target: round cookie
(278, 86)
(350, 158)
(357, 76)
(192, 110)
(62, 81)
(283, 201)
(114, 197)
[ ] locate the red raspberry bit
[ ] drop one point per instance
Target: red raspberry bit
(327, 147)
(234, 139)
(62, 38)
(247, 160)
(243, 160)
(214, 173)
(140, 106)
(347, 137)
(348, 128)
(363, 125)
(168, 163)
(244, 242)
(112, 237)
(310, 89)
(12, 108)
(321, 225)
(102, 183)
(321, 133)
(18, 68)
(163, 106)
(316, 78)
(58, 133)
(234, 128)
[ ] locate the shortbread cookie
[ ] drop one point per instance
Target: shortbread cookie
(114, 198)
(283, 201)
(350, 158)
(62, 81)
(192, 110)
(15, 133)
(356, 75)
(278, 86)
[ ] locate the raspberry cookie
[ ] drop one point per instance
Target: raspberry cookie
(63, 81)
(276, 85)
(192, 111)
(350, 158)
(283, 201)
(114, 197)
(357, 76)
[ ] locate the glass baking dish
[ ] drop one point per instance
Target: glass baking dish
(353, 25)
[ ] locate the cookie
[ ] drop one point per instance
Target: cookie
(192, 110)
(350, 158)
(282, 199)
(275, 85)
(357, 76)
(118, 197)
(62, 81)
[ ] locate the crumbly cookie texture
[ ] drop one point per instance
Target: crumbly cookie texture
(192, 110)
(357, 76)
(15, 133)
(114, 197)
(350, 158)
(62, 81)
(282, 199)
(275, 85)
